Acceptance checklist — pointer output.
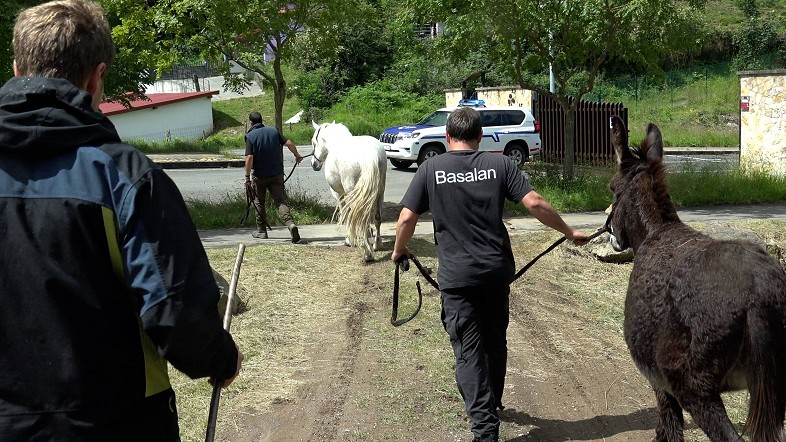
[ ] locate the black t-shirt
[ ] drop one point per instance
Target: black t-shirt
(266, 144)
(465, 192)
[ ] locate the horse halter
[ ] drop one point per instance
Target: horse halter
(314, 145)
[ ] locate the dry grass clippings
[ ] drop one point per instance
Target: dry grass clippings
(297, 300)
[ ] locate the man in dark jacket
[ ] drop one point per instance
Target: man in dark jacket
(265, 156)
(103, 278)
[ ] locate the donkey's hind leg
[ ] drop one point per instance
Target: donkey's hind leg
(670, 418)
(710, 415)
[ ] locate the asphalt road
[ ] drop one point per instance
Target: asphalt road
(217, 184)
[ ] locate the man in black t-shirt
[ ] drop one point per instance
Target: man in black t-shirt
(465, 190)
(264, 154)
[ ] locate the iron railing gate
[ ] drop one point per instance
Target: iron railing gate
(593, 135)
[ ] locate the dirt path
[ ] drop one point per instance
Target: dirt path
(567, 379)
(348, 376)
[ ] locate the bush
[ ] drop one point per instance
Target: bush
(320, 88)
(368, 109)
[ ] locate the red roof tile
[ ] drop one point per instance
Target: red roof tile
(155, 100)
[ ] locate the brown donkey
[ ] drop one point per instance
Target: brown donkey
(702, 316)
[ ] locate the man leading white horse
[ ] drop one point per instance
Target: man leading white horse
(264, 155)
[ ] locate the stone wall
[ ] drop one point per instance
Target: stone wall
(763, 121)
(495, 96)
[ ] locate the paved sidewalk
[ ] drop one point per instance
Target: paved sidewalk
(329, 234)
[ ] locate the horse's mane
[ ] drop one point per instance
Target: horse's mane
(338, 129)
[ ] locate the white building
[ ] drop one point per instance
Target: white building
(165, 117)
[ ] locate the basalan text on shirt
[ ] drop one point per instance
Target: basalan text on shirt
(464, 177)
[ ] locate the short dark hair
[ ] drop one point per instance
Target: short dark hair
(464, 124)
(255, 117)
(62, 39)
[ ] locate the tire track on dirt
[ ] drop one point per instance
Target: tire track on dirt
(314, 412)
(573, 376)
(330, 411)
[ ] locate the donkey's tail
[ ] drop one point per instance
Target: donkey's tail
(360, 204)
(766, 376)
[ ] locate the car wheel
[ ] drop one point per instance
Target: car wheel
(516, 153)
(400, 164)
(428, 152)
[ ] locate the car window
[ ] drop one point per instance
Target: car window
(491, 118)
(512, 118)
(438, 118)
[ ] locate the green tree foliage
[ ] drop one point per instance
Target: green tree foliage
(10, 9)
(574, 37)
(257, 35)
(358, 51)
(137, 49)
(754, 39)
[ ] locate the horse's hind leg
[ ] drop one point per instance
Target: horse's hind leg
(670, 419)
(378, 225)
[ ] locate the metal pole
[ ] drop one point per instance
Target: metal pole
(212, 416)
(551, 68)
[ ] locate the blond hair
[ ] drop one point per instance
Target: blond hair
(62, 39)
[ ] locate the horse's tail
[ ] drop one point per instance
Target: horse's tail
(359, 205)
(766, 376)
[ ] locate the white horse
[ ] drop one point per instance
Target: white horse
(355, 169)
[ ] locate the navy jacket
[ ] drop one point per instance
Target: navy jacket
(102, 274)
(266, 144)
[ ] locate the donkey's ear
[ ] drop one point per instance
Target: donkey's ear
(316, 126)
(619, 139)
(654, 143)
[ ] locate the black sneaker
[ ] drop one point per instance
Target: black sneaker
(262, 234)
(293, 231)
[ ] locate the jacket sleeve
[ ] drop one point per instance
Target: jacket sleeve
(171, 277)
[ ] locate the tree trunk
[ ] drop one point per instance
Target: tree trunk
(279, 93)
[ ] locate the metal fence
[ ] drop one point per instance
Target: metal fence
(592, 132)
(182, 72)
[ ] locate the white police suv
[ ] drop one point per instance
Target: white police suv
(509, 130)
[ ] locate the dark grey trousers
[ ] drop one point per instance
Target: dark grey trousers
(476, 319)
(275, 185)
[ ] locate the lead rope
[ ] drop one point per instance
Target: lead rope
(251, 195)
(403, 265)
(294, 166)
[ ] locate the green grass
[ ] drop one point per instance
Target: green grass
(697, 107)
(588, 190)
(725, 16)
(229, 211)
